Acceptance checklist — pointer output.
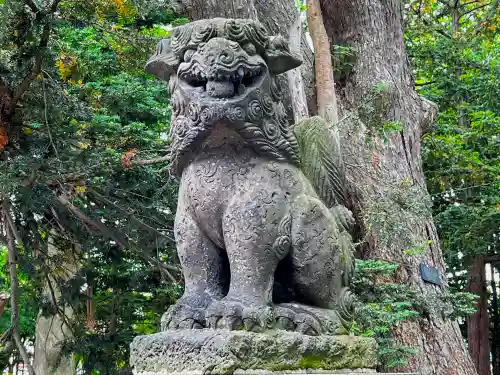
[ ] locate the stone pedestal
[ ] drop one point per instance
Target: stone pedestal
(209, 351)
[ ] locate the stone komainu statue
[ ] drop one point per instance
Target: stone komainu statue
(261, 231)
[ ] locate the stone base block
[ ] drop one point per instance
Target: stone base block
(207, 351)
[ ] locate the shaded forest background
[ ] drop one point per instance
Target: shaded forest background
(88, 205)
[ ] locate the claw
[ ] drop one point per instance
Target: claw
(308, 325)
(232, 323)
(285, 324)
(212, 321)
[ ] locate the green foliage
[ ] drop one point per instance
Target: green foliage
(68, 170)
(381, 219)
(387, 303)
(457, 66)
(301, 7)
(384, 305)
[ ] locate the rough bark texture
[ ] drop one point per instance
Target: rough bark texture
(478, 323)
(52, 330)
(278, 16)
(294, 76)
(377, 173)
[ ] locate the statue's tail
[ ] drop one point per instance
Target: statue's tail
(321, 160)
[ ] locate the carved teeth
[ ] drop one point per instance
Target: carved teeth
(241, 89)
(241, 71)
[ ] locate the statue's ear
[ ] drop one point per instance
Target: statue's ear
(164, 62)
(278, 57)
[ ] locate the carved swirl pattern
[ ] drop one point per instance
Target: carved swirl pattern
(268, 105)
(254, 111)
(271, 130)
(277, 85)
(181, 38)
(207, 115)
(203, 32)
(235, 31)
(236, 113)
(193, 111)
(180, 127)
(346, 301)
(257, 35)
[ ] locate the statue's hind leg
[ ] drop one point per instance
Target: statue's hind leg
(316, 254)
(205, 273)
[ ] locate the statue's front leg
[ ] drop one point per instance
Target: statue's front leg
(254, 246)
(205, 275)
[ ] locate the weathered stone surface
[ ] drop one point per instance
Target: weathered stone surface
(209, 351)
(260, 219)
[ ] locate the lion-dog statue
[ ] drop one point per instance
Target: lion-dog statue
(261, 229)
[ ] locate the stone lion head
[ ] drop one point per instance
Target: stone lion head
(226, 71)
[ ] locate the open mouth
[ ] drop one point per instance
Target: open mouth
(218, 83)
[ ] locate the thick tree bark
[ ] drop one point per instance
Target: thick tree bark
(379, 173)
(52, 330)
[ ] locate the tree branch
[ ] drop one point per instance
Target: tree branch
(105, 200)
(473, 10)
(122, 242)
(161, 159)
(37, 65)
(14, 285)
(32, 6)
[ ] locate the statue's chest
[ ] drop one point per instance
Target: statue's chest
(210, 181)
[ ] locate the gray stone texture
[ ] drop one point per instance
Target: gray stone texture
(261, 230)
(208, 351)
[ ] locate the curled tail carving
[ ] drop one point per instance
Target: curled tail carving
(321, 162)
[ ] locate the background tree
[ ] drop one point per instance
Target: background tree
(78, 113)
(454, 49)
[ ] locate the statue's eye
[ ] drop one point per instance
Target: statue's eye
(250, 49)
(188, 55)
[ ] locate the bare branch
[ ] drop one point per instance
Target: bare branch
(46, 117)
(161, 159)
(122, 242)
(105, 200)
(31, 4)
(473, 10)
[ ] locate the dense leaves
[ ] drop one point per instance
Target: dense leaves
(85, 115)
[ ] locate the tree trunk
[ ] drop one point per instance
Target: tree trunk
(478, 323)
(385, 179)
(52, 330)
(386, 182)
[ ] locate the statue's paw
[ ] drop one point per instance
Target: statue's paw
(234, 314)
(187, 313)
(298, 320)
